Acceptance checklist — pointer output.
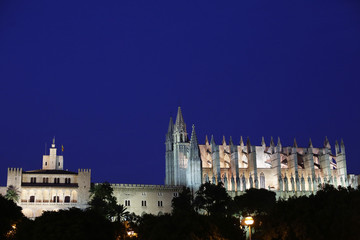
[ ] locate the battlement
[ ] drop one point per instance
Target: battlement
(16, 171)
(80, 170)
(144, 186)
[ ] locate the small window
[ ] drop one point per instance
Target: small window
(143, 203)
(67, 180)
(32, 199)
(45, 163)
(56, 180)
(45, 180)
(127, 203)
(160, 203)
(144, 193)
(33, 180)
(67, 199)
(160, 194)
(176, 194)
(59, 164)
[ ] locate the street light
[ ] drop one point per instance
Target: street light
(248, 221)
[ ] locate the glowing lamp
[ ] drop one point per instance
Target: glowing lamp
(249, 221)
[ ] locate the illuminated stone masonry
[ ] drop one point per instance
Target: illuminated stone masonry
(52, 188)
(287, 170)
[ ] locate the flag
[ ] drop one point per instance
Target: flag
(62, 148)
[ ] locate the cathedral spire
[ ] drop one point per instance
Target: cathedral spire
(180, 134)
(310, 143)
(179, 118)
(278, 142)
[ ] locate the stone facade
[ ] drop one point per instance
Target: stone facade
(50, 188)
(150, 199)
(287, 170)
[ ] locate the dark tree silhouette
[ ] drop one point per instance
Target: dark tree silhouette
(10, 215)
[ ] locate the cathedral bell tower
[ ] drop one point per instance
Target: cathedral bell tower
(183, 163)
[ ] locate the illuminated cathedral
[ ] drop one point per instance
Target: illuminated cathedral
(288, 170)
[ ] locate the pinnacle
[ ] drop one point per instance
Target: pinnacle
(224, 141)
(279, 142)
(230, 141)
(272, 142)
(212, 140)
(241, 141)
(295, 143)
(310, 143)
(263, 141)
(248, 141)
(171, 126)
(193, 136)
(206, 139)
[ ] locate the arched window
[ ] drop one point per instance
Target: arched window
(262, 180)
(67, 199)
(56, 199)
(32, 199)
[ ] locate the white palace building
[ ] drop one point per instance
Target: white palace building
(286, 170)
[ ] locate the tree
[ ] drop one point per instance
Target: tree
(255, 202)
(102, 200)
(12, 193)
(183, 202)
(68, 224)
(213, 199)
(10, 215)
(120, 213)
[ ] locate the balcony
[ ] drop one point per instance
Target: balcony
(63, 185)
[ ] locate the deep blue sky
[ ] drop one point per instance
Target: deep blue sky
(105, 76)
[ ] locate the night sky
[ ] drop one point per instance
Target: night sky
(105, 76)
